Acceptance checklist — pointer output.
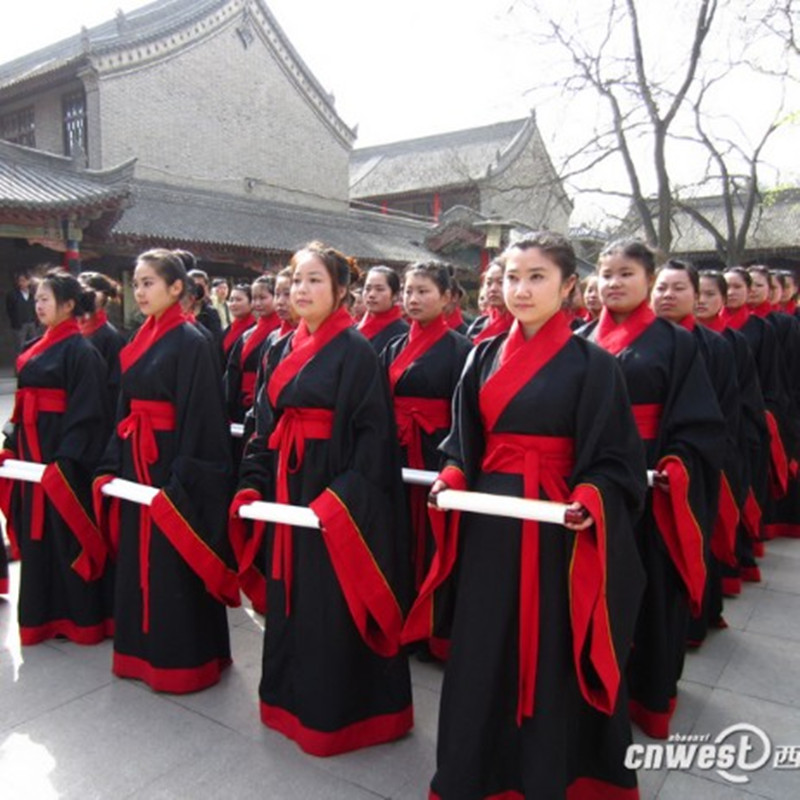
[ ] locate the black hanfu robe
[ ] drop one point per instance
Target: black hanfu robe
(108, 341)
(533, 700)
(233, 333)
(785, 514)
(380, 329)
(781, 441)
(333, 676)
(720, 362)
(174, 564)
(60, 405)
(754, 458)
(423, 368)
(495, 322)
(242, 367)
(684, 434)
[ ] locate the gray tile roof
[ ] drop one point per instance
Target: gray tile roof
(35, 180)
(172, 215)
(152, 21)
(448, 159)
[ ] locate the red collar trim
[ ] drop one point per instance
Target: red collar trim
(235, 330)
(304, 346)
(735, 319)
(455, 319)
(420, 340)
(88, 325)
(150, 332)
(715, 323)
(258, 334)
(762, 309)
(615, 338)
(69, 327)
(372, 324)
(688, 322)
(520, 360)
(499, 322)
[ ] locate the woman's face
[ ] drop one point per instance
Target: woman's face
(788, 291)
(591, 297)
(151, 292)
(283, 307)
(423, 301)
(759, 290)
(378, 296)
(710, 300)
(48, 311)
(263, 301)
(673, 295)
(312, 293)
(533, 287)
(239, 304)
(493, 287)
(737, 290)
(623, 283)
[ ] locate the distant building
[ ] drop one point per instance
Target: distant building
(476, 186)
(191, 123)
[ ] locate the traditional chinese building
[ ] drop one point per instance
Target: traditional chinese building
(477, 186)
(185, 123)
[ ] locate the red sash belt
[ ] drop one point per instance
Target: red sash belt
(648, 419)
(544, 463)
(290, 434)
(29, 402)
(145, 418)
(413, 415)
(248, 388)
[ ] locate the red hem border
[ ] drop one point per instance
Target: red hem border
(4, 586)
(85, 635)
(174, 681)
(776, 530)
(750, 574)
(364, 733)
(654, 723)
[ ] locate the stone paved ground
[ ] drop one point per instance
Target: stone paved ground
(69, 729)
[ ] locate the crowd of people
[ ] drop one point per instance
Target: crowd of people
(658, 404)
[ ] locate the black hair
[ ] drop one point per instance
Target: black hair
(267, 280)
(342, 269)
(187, 259)
(437, 271)
(167, 264)
(66, 287)
(554, 245)
(245, 289)
(742, 273)
(101, 283)
(635, 249)
(683, 266)
(392, 278)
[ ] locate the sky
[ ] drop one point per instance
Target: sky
(406, 68)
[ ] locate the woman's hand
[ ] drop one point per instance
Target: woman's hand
(438, 486)
(578, 518)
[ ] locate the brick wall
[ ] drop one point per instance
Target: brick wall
(216, 113)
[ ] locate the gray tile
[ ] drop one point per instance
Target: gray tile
(779, 722)
(680, 785)
(707, 663)
(43, 678)
(385, 769)
(766, 667)
(428, 674)
(738, 610)
(777, 614)
(233, 702)
(112, 741)
(236, 767)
